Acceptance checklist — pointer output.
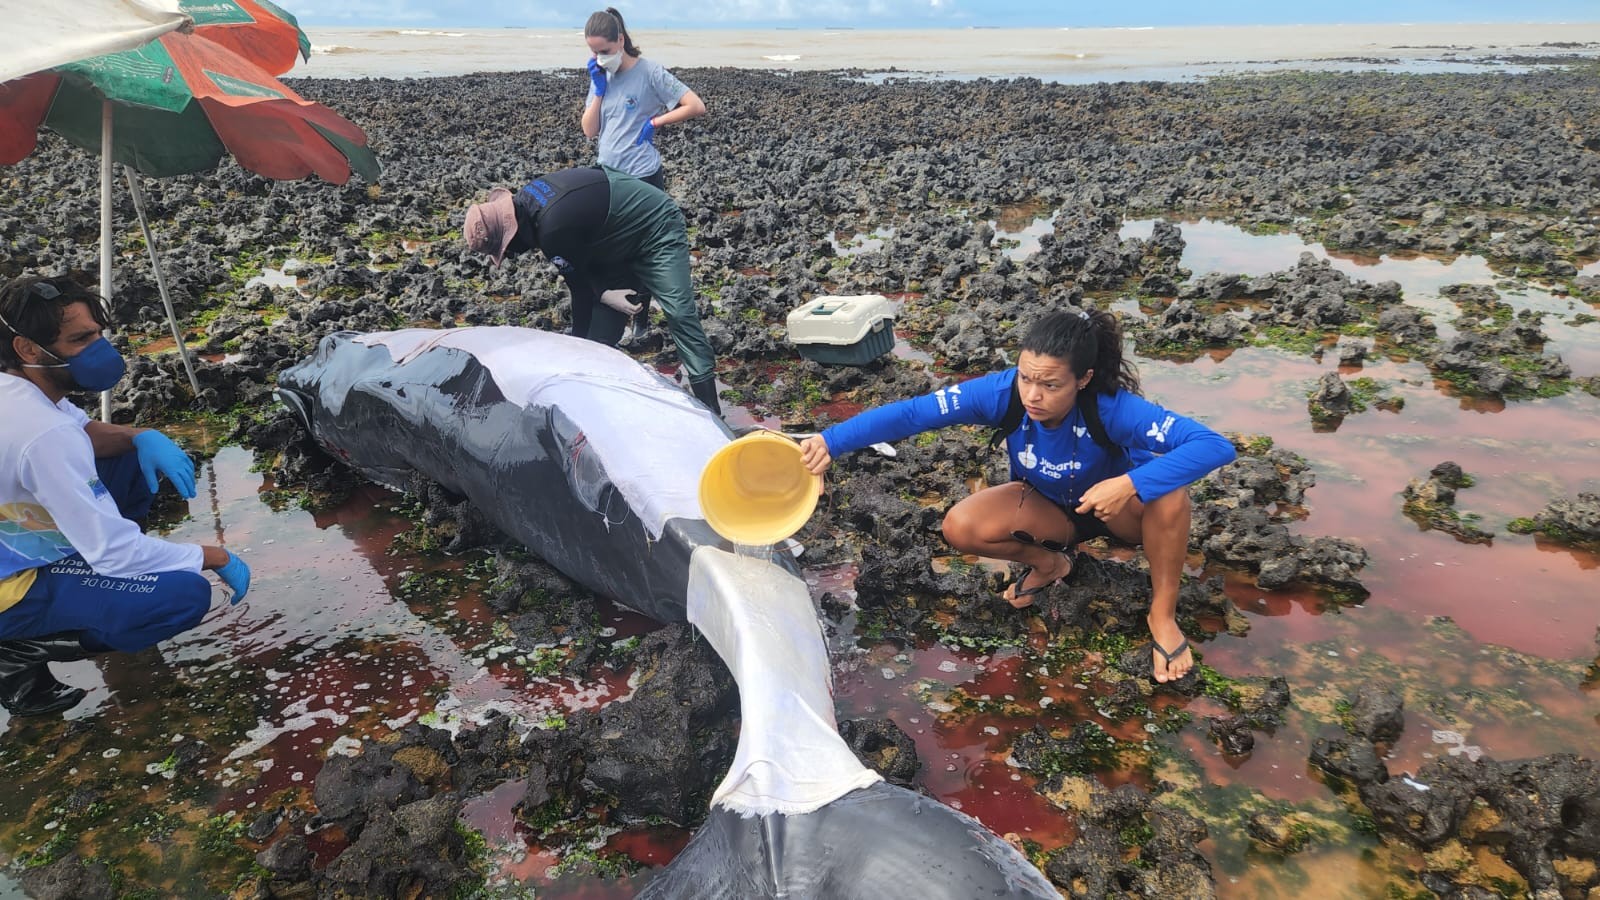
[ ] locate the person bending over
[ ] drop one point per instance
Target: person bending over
(598, 226)
(1089, 457)
(77, 574)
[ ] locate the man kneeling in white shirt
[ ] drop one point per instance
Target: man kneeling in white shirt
(78, 576)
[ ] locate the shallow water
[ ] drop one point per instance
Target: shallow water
(342, 641)
(1213, 246)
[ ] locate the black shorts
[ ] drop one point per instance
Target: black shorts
(1086, 527)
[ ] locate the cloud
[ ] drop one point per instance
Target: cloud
(367, 12)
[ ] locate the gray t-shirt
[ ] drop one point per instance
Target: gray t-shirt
(632, 98)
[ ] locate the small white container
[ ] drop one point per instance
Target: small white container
(850, 331)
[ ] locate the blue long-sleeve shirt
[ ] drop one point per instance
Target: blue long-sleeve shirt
(1164, 451)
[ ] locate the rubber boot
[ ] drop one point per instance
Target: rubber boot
(705, 391)
(27, 688)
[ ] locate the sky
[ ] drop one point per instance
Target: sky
(679, 14)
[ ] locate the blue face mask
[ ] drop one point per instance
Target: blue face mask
(97, 367)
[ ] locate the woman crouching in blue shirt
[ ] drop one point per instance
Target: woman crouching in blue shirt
(1089, 457)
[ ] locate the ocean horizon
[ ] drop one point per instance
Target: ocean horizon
(1059, 54)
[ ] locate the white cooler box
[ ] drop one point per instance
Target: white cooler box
(846, 331)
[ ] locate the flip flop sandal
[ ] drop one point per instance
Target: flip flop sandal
(1169, 656)
(1020, 592)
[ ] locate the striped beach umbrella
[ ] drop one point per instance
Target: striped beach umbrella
(178, 104)
(257, 30)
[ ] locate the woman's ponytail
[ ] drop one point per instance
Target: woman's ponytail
(608, 24)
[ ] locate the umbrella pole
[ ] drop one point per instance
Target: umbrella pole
(161, 280)
(105, 229)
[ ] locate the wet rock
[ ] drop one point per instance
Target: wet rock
(1140, 664)
(1352, 353)
(1258, 477)
(1263, 704)
(1158, 285)
(1249, 538)
(1129, 846)
(526, 582)
(1231, 733)
(282, 443)
(264, 825)
(663, 751)
(1330, 400)
(1217, 286)
(1448, 885)
(1086, 868)
(1112, 596)
(1569, 521)
(486, 756)
(414, 850)
(882, 747)
(1423, 810)
(1450, 475)
(1275, 831)
(1074, 793)
(1240, 517)
(70, 878)
(1087, 748)
(1378, 714)
(350, 788)
(1349, 759)
(1130, 697)
(1182, 325)
(554, 775)
(1406, 326)
(1506, 363)
(1328, 561)
(450, 523)
(288, 858)
(1166, 239)
(1431, 504)
(1314, 296)
(1480, 305)
(1539, 816)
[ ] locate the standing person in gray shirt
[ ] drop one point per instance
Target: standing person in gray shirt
(630, 97)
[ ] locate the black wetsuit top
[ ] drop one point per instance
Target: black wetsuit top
(562, 214)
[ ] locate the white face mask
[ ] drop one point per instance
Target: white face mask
(611, 62)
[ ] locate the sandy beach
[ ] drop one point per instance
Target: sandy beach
(1073, 55)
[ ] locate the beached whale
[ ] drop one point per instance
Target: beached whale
(593, 461)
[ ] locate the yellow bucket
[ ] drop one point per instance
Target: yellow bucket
(756, 490)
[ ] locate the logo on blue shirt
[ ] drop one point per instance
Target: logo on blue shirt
(1159, 430)
(949, 399)
(1032, 461)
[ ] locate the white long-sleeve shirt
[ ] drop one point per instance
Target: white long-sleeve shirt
(52, 503)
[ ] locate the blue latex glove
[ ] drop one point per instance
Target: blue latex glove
(236, 575)
(597, 77)
(158, 454)
(647, 134)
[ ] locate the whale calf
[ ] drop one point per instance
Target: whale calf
(592, 461)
